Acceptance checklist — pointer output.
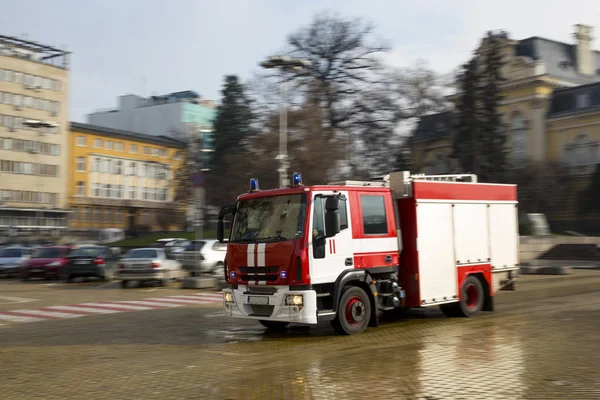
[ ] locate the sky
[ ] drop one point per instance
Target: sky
(157, 47)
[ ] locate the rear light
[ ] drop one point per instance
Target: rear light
(155, 265)
(99, 261)
(121, 266)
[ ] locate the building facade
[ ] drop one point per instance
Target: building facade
(122, 179)
(549, 101)
(535, 69)
(34, 81)
(176, 115)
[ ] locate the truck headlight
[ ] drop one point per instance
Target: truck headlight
(294, 300)
(228, 297)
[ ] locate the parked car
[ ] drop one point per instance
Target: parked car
(162, 243)
(176, 246)
(11, 259)
(90, 261)
(45, 262)
(148, 264)
(205, 256)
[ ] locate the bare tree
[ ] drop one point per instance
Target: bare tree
(344, 58)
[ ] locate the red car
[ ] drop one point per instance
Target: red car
(45, 262)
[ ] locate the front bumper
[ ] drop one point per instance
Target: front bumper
(10, 269)
(142, 274)
(276, 309)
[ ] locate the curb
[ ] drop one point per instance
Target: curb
(200, 283)
(546, 270)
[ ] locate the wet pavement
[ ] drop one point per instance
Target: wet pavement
(543, 342)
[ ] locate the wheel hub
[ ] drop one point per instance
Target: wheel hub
(355, 310)
(472, 296)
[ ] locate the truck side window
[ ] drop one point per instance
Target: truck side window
(373, 213)
(318, 228)
(343, 215)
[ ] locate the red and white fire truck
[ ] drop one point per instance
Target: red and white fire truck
(348, 251)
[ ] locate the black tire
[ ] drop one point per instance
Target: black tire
(124, 284)
(274, 325)
(353, 312)
(472, 297)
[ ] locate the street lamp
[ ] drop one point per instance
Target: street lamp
(285, 64)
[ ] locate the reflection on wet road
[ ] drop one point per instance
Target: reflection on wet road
(543, 342)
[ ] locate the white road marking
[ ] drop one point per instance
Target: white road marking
(8, 300)
(150, 302)
(116, 305)
(85, 309)
(19, 318)
(43, 313)
(186, 301)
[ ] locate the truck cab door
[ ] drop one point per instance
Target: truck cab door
(329, 256)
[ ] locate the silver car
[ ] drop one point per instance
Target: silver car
(148, 264)
(11, 259)
(205, 256)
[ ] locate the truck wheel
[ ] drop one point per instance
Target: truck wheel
(472, 297)
(274, 325)
(353, 312)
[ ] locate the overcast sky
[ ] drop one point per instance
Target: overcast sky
(155, 47)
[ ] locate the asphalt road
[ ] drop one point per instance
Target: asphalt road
(543, 342)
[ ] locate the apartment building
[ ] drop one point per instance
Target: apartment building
(34, 82)
(122, 179)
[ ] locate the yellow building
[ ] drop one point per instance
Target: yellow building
(121, 179)
(551, 110)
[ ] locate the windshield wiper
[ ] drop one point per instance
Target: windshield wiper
(282, 238)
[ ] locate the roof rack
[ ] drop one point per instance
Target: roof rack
(400, 181)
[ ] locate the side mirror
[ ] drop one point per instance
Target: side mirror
(220, 231)
(332, 222)
(332, 203)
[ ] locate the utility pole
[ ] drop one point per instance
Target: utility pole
(296, 66)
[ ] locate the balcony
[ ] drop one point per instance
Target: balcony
(33, 222)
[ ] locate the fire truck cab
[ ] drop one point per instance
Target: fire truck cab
(348, 251)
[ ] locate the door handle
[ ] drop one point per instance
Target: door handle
(349, 262)
(388, 259)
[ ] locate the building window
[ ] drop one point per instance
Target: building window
(97, 143)
(133, 169)
(163, 152)
(119, 146)
(118, 167)
(373, 215)
(583, 100)
(96, 164)
(147, 150)
(107, 166)
(143, 169)
(518, 138)
(80, 188)
(96, 192)
(117, 216)
(109, 145)
(133, 148)
(155, 152)
(132, 192)
(80, 164)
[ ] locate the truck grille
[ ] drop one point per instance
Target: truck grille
(261, 310)
(268, 274)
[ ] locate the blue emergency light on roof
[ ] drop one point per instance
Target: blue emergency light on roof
(297, 179)
(253, 184)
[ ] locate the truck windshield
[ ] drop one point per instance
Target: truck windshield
(272, 218)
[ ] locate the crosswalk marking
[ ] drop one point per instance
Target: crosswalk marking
(84, 309)
(107, 307)
(18, 318)
(48, 314)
